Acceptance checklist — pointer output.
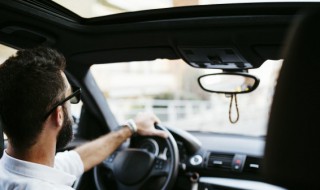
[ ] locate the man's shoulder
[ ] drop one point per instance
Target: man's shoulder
(69, 162)
(16, 183)
(19, 175)
(34, 184)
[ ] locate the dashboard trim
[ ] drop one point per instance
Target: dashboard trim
(239, 184)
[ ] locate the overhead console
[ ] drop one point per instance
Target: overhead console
(226, 58)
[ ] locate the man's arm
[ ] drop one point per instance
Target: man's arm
(96, 151)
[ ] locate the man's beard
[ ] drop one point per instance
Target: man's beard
(65, 134)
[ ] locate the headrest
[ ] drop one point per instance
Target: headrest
(293, 137)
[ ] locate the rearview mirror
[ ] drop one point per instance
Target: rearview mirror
(228, 82)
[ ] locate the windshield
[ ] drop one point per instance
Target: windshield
(169, 88)
(96, 8)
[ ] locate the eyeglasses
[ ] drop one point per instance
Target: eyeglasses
(74, 98)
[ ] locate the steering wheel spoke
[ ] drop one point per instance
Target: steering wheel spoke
(108, 163)
(160, 167)
(133, 167)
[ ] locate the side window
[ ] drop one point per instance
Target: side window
(5, 52)
(76, 112)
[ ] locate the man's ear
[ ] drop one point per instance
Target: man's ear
(58, 116)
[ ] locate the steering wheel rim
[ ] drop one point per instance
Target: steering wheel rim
(170, 173)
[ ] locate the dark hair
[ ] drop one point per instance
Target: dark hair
(30, 83)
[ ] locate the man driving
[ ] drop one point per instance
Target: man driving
(35, 98)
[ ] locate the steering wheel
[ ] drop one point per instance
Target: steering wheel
(132, 168)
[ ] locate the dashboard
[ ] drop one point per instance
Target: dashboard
(213, 161)
(223, 154)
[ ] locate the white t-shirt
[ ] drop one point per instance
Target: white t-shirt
(21, 175)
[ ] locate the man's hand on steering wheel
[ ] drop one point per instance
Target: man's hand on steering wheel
(145, 125)
(133, 167)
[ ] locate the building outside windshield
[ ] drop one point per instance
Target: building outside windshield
(170, 89)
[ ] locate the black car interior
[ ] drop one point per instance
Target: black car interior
(1, 139)
(292, 143)
(251, 32)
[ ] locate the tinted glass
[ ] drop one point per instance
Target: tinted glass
(90, 8)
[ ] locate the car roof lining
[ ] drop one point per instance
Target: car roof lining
(117, 55)
(258, 34)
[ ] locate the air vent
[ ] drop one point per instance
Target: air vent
(222, 161)
(252, 165)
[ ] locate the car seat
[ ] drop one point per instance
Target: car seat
(293, 137)
(1, 139)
